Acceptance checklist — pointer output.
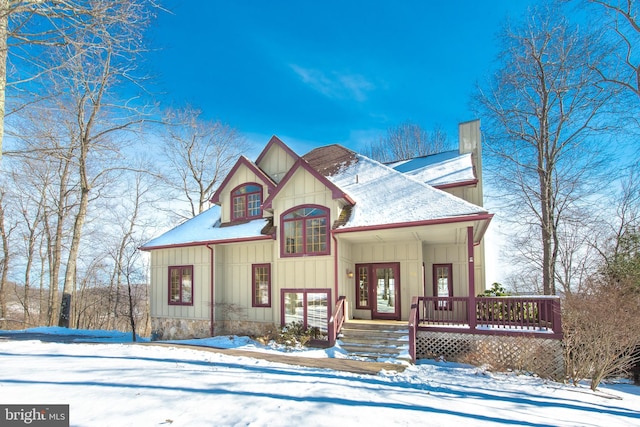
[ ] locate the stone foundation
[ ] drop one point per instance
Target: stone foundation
(541, 356)
(163, 328)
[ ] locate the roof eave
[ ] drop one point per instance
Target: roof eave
(471, 182)
(485, 217)
(207, 242)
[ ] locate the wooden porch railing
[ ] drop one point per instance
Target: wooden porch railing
(538, 315)
(414, 320)
(336, 321)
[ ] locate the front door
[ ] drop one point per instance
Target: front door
(379, 289)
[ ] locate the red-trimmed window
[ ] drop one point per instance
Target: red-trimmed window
(181, 285)
(310, 307)
(443, 285)
(261, 285)
(305, 231)
(246, 202)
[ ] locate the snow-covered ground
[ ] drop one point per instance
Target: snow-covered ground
(121, 384)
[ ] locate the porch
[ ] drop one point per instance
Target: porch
(515, 316)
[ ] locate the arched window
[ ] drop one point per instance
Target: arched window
(246, 202)
(304, 231)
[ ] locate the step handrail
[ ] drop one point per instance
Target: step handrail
(336, 320)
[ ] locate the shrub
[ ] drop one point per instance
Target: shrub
(294, 334)
(601, 331)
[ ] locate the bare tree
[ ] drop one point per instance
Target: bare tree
(74, 139)
(578, 259)
(543, 112)
(31, 29)
(97, 59)
(32, 209)
(406, 141)
(200, 154)
(621, 17)
(6, 257)
(129, 220)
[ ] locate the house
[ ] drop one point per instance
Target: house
(291, 237)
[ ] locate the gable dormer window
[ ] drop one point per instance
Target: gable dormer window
(246, 202)
(305, 231)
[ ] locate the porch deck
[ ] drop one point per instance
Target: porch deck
(533, 316)
(489, 315)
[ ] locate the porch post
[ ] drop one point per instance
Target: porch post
(471, 301)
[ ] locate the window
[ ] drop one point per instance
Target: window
(362, 287)
(307, 306)
(261, 285)
(304, 231)
(443, 285)
(181, 285)
(246, 202)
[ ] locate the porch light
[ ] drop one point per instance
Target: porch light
(349, 274)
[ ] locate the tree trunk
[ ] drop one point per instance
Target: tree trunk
(4, 28)
(547, 233)
(5, 266)
(74, 250)
(55, 243)
(41, 307)
(132, 320)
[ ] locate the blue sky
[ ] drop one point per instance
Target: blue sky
(317, 73)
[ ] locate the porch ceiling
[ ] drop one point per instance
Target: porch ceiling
(430, 234)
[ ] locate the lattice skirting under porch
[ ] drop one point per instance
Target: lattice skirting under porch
(543, 357)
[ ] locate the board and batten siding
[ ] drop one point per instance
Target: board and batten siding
(233, 269)
(454, 254)
(304, 189)
(303, 272)
(276, 163)
(161, 260)
(408, 254)
(468, 193)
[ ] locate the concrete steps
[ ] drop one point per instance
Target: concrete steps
(376, 341)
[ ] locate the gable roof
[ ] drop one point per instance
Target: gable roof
(442, 170)
(276, 141)
(385, 196)
(377, 196)
(252, 166)
(301, 163)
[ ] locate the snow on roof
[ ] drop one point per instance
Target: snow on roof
(385, 196)
(449, 167)
(205, 227)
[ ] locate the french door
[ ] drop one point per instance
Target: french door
(378, 289)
